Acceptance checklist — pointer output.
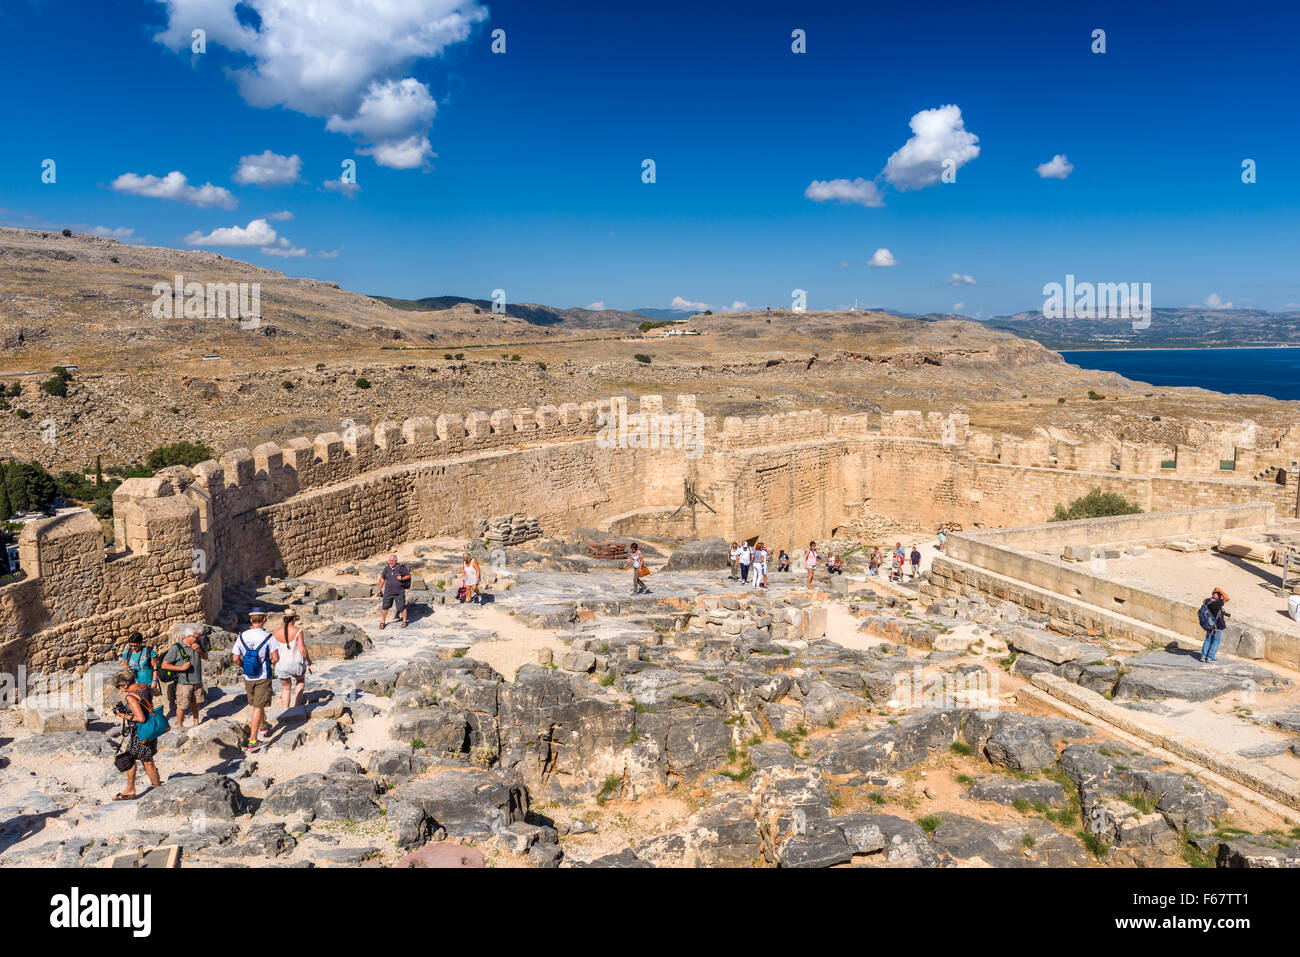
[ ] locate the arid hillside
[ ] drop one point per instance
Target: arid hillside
(141, 381)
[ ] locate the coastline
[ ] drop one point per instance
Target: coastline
(1180, 348)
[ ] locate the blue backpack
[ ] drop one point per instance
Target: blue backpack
(1206, 617)
(253, 662)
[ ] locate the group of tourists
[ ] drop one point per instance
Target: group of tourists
(899, 560)
(745, 559)
(748, 561)
(158, 687)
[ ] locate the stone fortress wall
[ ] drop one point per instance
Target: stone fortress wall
(185, 534)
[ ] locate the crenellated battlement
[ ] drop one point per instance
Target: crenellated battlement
(288, 507)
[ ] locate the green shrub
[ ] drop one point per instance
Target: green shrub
(25, 486)
(363, 383)
(1095, 395)
(58, 383)
(1096, 504)
(67, 232)
(22, 413)
(642, 357)
(178, 453)
(288, 386)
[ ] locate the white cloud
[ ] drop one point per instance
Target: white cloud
(268, 169)
(176, 187)
(121, 232)
(958, 306)
(860, 191)
(1291, 305)
(1214, 301)
(595, 306)
(882, 257)
(386, 116)
(739, 306)
(961, 279)
(348, 189)
(257, 233)
(402, 154)
(680, 303)
(843, 265)
(937, 135)
(284, 248)
(340, 59)
(1058, 167)
(282, 214)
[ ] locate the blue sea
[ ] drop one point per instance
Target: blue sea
(1273, 372)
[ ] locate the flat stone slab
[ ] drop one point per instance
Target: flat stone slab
(1286, 720)
(1168, 683)
(1008, 790)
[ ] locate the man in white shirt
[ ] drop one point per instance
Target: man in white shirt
(745, 557)
(256, 647)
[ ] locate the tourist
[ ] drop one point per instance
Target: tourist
(185, 660)
(1214, 623)
(943, 538)
(810, 561)
(293, 661)
(783, 561)
(470, 576)
(139, 660)
(394, 579)
(873, 563)
(255, 654)
(637, 562)
(835, 566)
(916, 562)
(732, 554)
(760, 566)
(139, 732)
(745, 557)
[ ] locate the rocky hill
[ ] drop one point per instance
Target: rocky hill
(320, 355)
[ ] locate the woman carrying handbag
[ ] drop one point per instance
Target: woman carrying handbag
(142, 725)
(291, 668)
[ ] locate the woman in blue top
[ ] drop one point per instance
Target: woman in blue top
(140, 662)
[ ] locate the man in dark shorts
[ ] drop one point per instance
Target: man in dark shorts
(394, 578)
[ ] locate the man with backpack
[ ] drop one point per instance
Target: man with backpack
(1212, 618)
(255, 654)
(182, 673)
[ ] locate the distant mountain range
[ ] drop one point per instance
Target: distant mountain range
(576, 317)
(1191, 327)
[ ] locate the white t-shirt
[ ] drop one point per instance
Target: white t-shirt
(636, 559)
(745, 555)
(731, 554)
(248, 644)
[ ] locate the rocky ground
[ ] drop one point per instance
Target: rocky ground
(566, 723)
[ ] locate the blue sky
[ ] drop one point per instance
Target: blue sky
(536, 186)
